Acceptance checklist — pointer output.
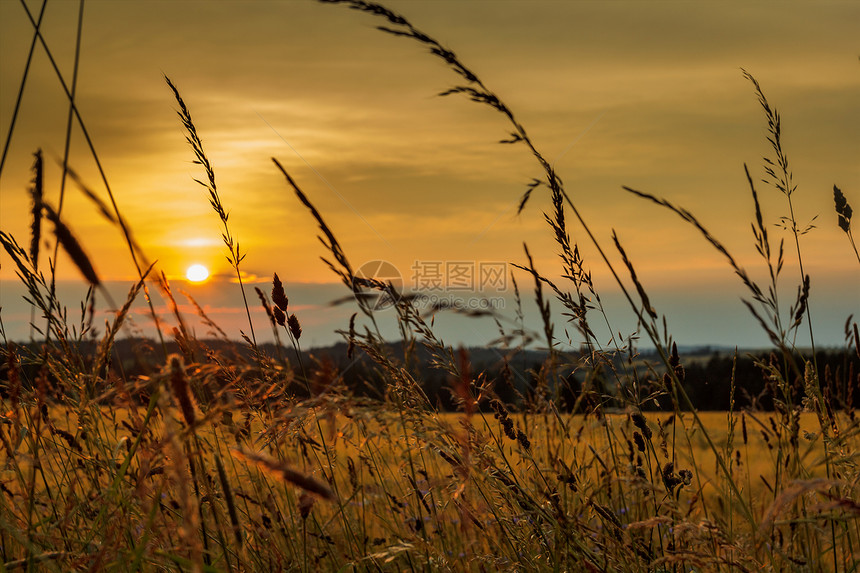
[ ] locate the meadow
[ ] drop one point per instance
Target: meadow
(247, 459)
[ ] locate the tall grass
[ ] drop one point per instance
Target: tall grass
(234, 254)
(208, 459)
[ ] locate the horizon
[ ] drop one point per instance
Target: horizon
(311, 302)
(649, 96)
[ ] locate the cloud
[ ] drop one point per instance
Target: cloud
(656, 88)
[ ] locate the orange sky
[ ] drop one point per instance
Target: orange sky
(648, 95)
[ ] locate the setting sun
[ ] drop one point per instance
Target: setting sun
(197, 273)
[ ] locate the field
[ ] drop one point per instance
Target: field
(240, 457)
(332, 482)
(342, 483)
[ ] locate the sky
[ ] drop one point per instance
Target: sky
(644, 94)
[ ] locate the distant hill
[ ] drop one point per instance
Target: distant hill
(514, 375)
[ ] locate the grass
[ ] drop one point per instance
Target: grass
(216, 461)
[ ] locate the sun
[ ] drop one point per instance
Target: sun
(197, 273)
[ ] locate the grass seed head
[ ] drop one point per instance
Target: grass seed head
(295, 327)
(279, 297)
(640, 441)
(640, 422)
(179, 384)
(283, 471)
(523, 440)
(843, 209)
(71, 245)
(36, 190)
(279, 316)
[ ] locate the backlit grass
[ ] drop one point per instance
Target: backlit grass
(250, 458)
